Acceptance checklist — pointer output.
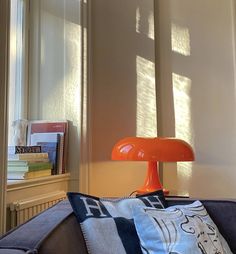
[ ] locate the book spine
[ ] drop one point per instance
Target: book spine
(34, 174)
(24, 149)
(61, 154)
(44, 126)
(39, 166)
(15, 175)
(28, 156)
(27, 149)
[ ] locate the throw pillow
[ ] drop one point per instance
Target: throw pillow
(178, 230)
(107, 224)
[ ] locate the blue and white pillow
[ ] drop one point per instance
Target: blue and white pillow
(182, 229)
(107, 224)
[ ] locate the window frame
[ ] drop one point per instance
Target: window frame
(4, 43)
(18, 91)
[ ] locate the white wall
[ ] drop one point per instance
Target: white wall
(196, 92)
(198, 64)
(123, 74)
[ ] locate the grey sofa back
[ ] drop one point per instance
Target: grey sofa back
(56, 230)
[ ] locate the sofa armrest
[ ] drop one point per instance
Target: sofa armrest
(68, 238)
(10, 251)
(52, 231)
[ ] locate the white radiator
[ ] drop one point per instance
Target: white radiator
(23, 210)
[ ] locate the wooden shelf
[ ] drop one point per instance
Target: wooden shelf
(22, 184)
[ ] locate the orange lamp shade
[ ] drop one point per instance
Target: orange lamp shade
(153, 150)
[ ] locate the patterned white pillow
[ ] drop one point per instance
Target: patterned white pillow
(182, 229)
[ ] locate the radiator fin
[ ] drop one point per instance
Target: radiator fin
(23, 210)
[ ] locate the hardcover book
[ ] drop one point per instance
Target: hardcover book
(25, 166)
(47, 126)
(36, 127)
(15, 175)
(52, 149)
(35, 174)
(28, 156)
(21, 175)
(56, 154)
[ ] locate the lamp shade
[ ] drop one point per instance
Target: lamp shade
(152, 150)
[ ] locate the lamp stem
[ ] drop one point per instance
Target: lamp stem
(152, 180)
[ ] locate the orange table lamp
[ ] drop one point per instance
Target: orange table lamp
(152, 150)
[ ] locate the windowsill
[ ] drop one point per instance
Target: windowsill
(13, 185)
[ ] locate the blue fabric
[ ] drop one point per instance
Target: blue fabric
(178, 229)
(9, 251)
(107, 224)
(30, 235)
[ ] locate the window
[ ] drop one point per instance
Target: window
(47, 77)
(17, 64)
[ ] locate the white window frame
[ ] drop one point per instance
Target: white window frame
(18, 70)
(4, 29)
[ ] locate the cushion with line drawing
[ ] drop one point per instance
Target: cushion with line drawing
(107, 224)
(178, 229)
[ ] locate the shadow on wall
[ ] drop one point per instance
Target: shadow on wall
(203, 87)
(124, 93)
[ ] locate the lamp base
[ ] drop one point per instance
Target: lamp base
(152, 182)
(145, 191)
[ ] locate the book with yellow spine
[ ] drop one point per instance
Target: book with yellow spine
(28, 156)
(35, 174)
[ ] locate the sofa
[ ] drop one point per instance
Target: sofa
(56, 230)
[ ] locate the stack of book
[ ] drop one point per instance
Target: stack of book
(28, 165)
(45, 153)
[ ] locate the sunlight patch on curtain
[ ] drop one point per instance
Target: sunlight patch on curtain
(146, 120)
(183, 124)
